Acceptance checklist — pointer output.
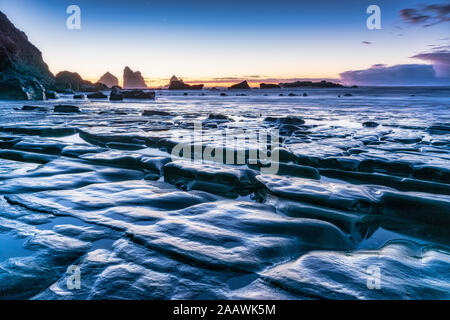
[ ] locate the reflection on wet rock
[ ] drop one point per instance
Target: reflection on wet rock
(360, 188)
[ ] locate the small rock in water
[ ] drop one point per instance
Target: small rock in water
(223, 94)
(217, 116)
(97, 95)
(33, 108)
(69, 91)
(116, 94)
(79, 96)
(348, 95)
(287, 129)
(51, 95)
(138, 94)
(155, 113)
(66, 108)
(305, 94)
(286, 120)
(371, 124)
(211, 125)
(29, 108)
(151, 176)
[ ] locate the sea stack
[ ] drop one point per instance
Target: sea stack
(178, 84)
(240, 85)
(133, 80)
(109, 79)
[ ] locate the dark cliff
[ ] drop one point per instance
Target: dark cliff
(23, 72)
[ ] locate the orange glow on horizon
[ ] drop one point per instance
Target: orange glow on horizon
(210, 83)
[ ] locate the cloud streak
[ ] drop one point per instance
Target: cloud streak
(426, 15)
(232, 80)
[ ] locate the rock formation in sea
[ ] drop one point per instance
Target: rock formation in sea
(23, 72)
(174, 78)
(240, 85)
(71, 80)
(68, 80)
(133, 80)
(109, 79)
(310, 84)
(268, 86)
(178, 84)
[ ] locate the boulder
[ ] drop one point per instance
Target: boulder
(89, 87)
(29, 108)
(51, 94)
(292, 120)
(240, 85)
(66, 109)
(116, 94)
(218, 116)
(370, 124)
(138, 94)
(97, 95)
(33, 108)
(287, 129)
(155, 113)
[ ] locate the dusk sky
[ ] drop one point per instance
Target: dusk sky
(264, 41)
